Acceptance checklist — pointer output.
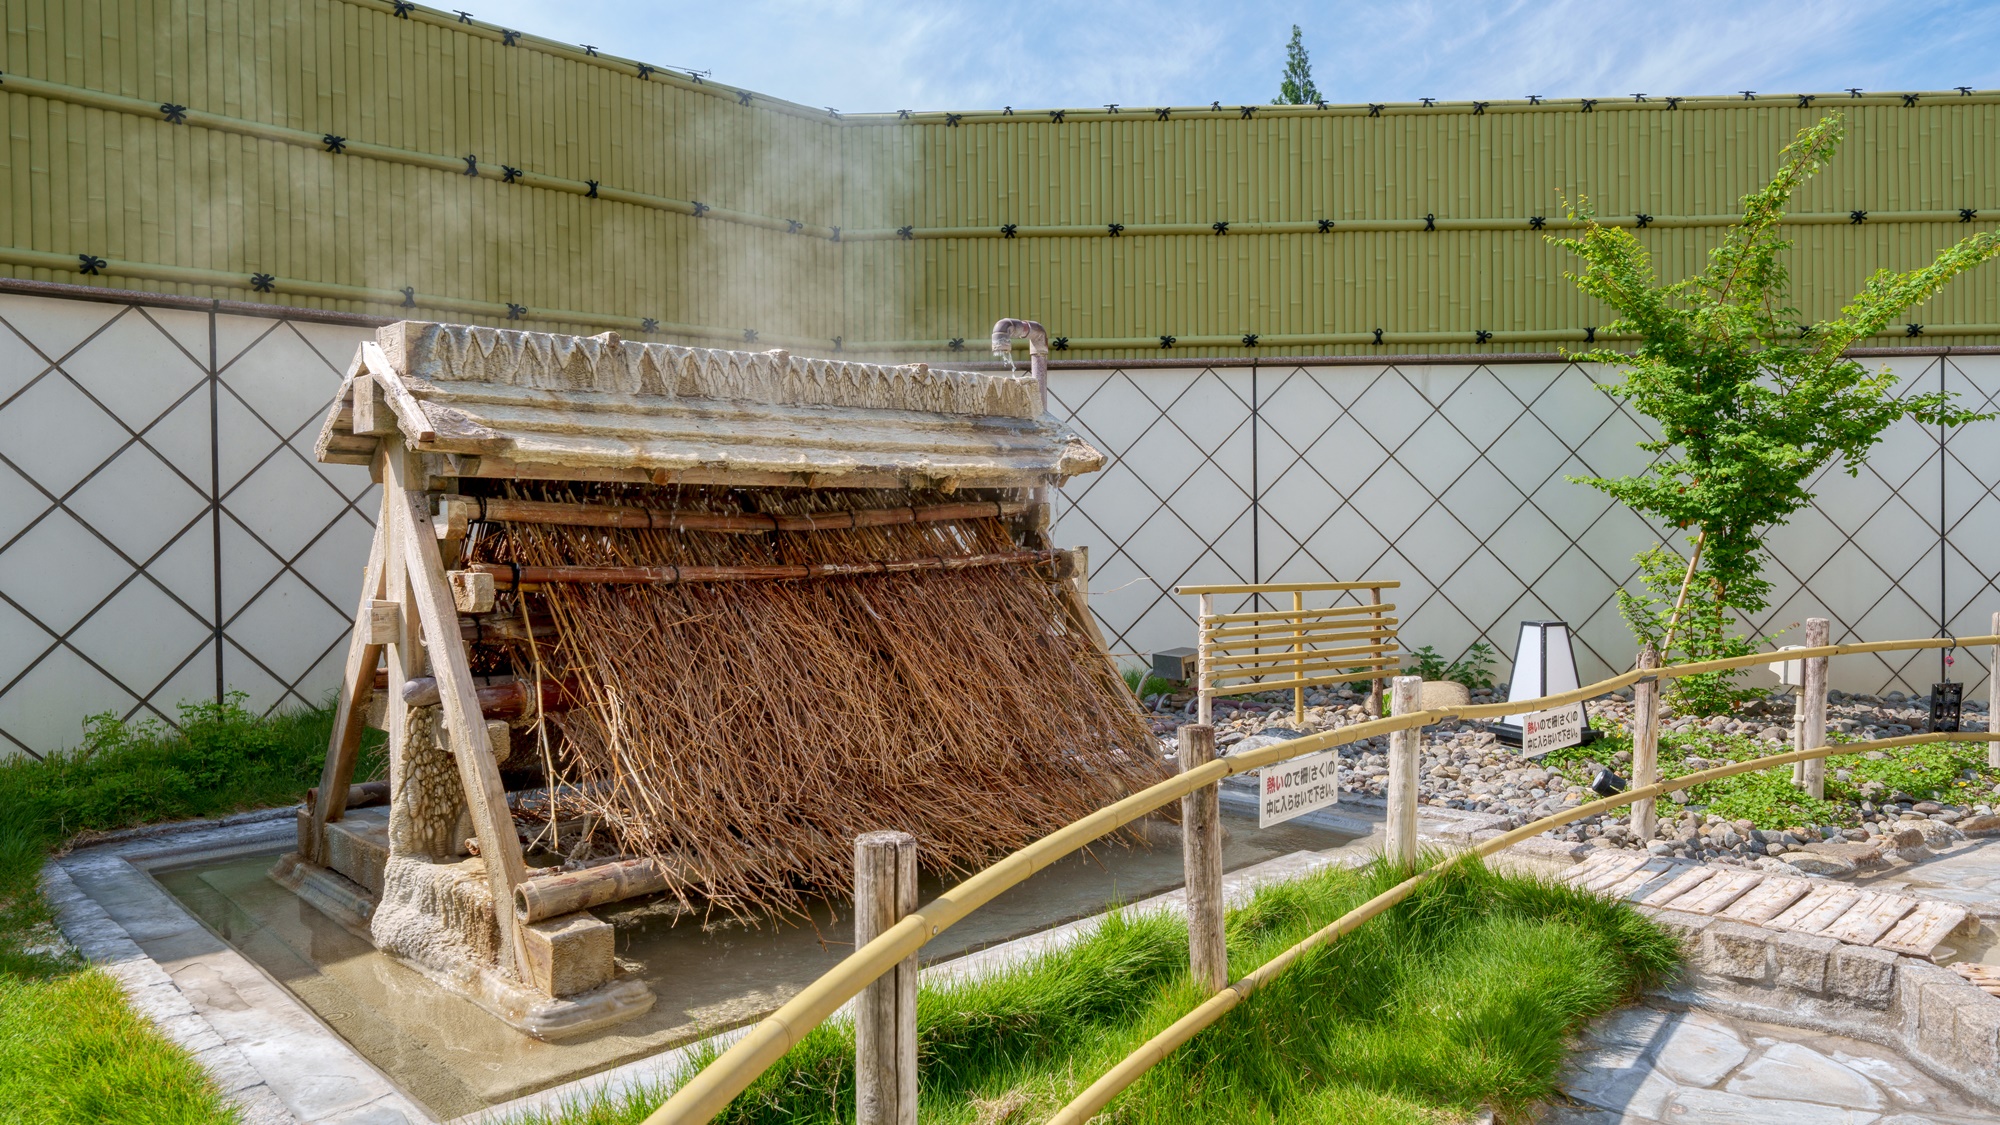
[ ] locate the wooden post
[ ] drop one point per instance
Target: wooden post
(1204, 643)
(356, 682)
(1811, 733)
(1299, 649)
(885, 1014)
(1201, 860)
(1375, 685)
(429, 594)
(1403, 773)
(1993, 697)
(1645, 745)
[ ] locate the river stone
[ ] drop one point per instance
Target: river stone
(1797, 1072)
(1938, 835)
(1980, 826)
(1860, 855)
(1437, 695)
(1815, 863)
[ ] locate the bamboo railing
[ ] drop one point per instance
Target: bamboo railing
(709, 1091)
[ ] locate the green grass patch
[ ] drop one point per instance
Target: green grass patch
(1951, 772)
(70, 1049)
(1462, 996)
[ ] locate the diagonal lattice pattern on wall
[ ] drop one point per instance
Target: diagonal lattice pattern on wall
(1456, 481)
(136, 440)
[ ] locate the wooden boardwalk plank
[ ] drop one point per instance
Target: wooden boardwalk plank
(1873, 915)
(1767, 901)
(1721, 890)
(1668, 893)
(1601, 865)
(1923, 929)
(1613, 872)
(1647, 876)
(1817, 909)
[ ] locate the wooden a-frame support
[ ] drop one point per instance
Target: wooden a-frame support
(406, 569)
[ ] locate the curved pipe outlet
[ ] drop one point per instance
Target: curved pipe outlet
(1006, 331)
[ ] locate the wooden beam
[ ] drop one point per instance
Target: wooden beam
(357, 680)
(1278, 616)
(456, 511)
(410, 416)
(485, 796)
(532, 577)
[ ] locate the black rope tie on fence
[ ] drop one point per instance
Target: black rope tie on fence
(1748, 95)
(839, 343)
(1479, 108)
(588, 49)
(509, 174)
(742, 97)
(1220, 228)
(956, 343)
(645, 71)
(89, 264)
(1378, 335)
(1056, 115)
(1168, 341)
(516, 312)
(1854, 91)
(464, 17)
(1638, 97)
(1534, 99)
(1216, 106)
(1673, 103)
(1857, 217)
(482, 509)
(902, 115)
(1910, 99)
(1162, 113)
(175, 114)
(793, 226)
(1060, 343)
(1375, 110)
(471, 165)
(1007, 230)
(1325, 225)
(409, 296)
(1967, 214)
(648, 324)
(1249, 339)
(1249, 111)
(1644, 219)
(749, 335)
(1116, 229)
(1430, 221)
(1913, 330)
(1963, 91)
(517, 576)
(404, 8)
(1481, 336)
(952, 119)
(701, 208)
(592, 193)
(1535, 222)
(1428, 102)
(1590, 333)
(263, 282)
(509, 37)
(334, 143)
(833, 113)
(835, 236)
(1589, 105)
(906, 233)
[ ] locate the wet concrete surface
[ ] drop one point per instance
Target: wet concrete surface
(454, 1058)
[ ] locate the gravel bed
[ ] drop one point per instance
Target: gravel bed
(1465, 766)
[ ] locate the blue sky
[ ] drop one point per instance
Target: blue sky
(958, 54)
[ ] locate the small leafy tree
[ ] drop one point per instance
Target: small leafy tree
(1296, 87)
(1749, 403)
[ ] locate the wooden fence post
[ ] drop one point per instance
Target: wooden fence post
(1645, 745)
(1201, 858)
(885, 1014)
(1375, 685)
(1993, 697)
(1403, 772)
(1299, 649)
(1811, 733)
(1204, 672)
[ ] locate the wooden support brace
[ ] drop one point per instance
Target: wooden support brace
(486, 798)
(384, 622)
(357, 682)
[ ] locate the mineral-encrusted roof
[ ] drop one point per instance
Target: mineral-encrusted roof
(542, 401)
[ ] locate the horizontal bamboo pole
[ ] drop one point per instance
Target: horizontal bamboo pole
(1301, 639)
(712, 1089)
(1279, 637)
(1320, 660)
(1287, 587)
(532, 577)
(1149, 1054)
(1281, 615)
(1347, 674)
(502, 510)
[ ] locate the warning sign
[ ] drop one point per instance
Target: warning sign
(1297, 787)
(1544, 731)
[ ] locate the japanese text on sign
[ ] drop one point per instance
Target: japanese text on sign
(1552, 730)
(1295, 788)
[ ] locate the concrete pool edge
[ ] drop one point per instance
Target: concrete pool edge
(277, 1060)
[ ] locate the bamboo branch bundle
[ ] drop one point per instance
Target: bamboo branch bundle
(532, 577)
(742, 734)
(500, 509)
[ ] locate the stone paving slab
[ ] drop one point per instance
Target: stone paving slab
(1652, 1064)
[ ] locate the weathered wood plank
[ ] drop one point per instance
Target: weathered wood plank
(1722, 889)
(357, 682)
(1769, 899)
(1668, 894)
(1817, 910)
(1603, 867)
(1871, 916)
(1924, 929)
(1643, 877)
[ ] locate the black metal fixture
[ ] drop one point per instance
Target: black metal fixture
(906, 233)
(648, 324)
(263, 282)
(1607, 784)
(89, 264)
(1007, 230)
(175, 114)
(1060, 343)
(1430, 221)
(701, 208)
(509, 37)
(1167, 341)
(333, 143)
(509, 174)
(1378, 335)
(1220, 228)
(1590, 333)
(471, 165)
(516, 312)
(592, 193)
(1857, 217)
(409, 296)
(1249, 339)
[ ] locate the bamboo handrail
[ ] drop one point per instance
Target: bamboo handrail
(1114, 1081)
(500, 509)
(711, 1089)
(1287, 587)
(1348, 672)
(1280, 615)
(1311, 659)
(1283, 634)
